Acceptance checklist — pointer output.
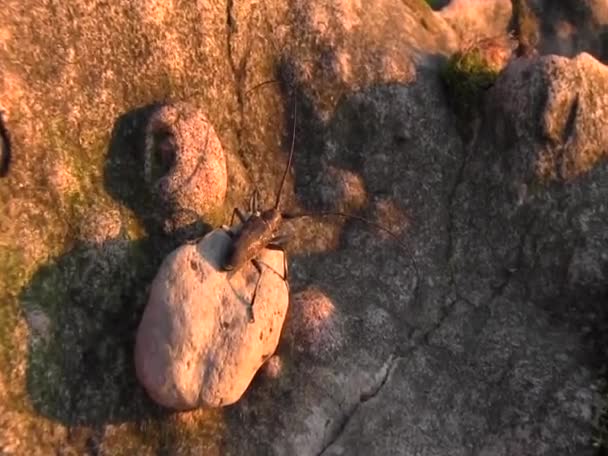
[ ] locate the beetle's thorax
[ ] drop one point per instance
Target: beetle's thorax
(272, 218)
(256, 233)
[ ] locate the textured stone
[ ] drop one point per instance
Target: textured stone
(195, 345)
(493, 353)
(100, 225)
(313, 325)
(545, 122)
(185, 163)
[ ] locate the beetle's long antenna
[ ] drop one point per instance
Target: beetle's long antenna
(293, 142)
(344, 215)
(261, 84)
(356, 217)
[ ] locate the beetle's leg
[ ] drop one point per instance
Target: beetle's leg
(254, 202)
(239, 214)
(228, 228)
(258, 266)
(277, 244)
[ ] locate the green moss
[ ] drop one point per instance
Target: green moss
(84, 187)
(144, 438)
(467, 75)
(199, 432)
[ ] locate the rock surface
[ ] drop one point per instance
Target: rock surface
(468, 357)
(484, 335)
(548, 167)
(195, 345)
(314, 326)
(474, 20)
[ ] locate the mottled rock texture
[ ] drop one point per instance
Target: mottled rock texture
(185, 164)
(195, 344)
(491, 342)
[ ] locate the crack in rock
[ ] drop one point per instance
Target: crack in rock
(460, 178)
(238, 67)
(380, 380)
(389, 366)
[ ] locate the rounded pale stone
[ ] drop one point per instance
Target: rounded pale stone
(195, 345)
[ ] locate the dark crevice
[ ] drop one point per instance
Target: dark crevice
(562, 164)
(449, 249)
(525, 27)
(457, 183)
(571, 120)
(446, 310)
(5, 147)
(239, 71)
(385, 372)
(519, 262)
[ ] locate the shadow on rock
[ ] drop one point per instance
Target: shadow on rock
(563, 28)
(526, 341)
(380, 146)
(84, 307)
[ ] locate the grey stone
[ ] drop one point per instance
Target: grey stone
(314, 326)
(542, 155)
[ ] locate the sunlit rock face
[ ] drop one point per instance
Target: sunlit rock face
(474, 20)
(313, 326)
